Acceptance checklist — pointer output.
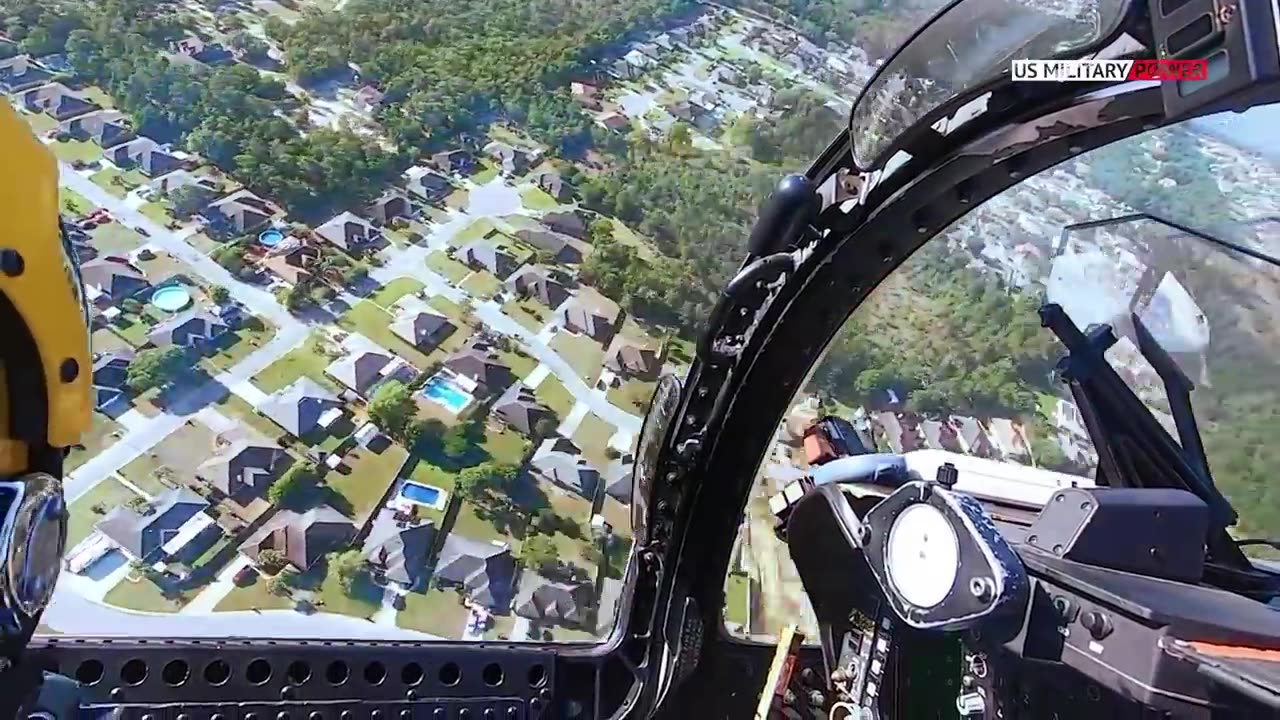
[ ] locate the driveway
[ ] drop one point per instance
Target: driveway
(213, 593)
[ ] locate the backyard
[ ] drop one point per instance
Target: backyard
(306, 359)
(436, 612)
(451, 269)
(373, 322)
(583, 353)
(370, 474)
(388, 294)
(592, 437)
(137, 592)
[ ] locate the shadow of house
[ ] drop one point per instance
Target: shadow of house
(106, 128)
(478, 362)
(195, 329)
(591, 314)
(535, 281)
(57, 101)
(430, 187)
(560, 462)
(398, 550)
(303, 538)
(544, 601)
(177, 513)
(352, 233)
(390, 206)
(459, 161)
(519, 409)
(422, 328)
(108, 280)
(243, 470)
(20, 73)
(558, 245)
(239, 213)
(633, 358)
(144, 154)
(485, 572)
(484, 255)
(299, 407)
(196, 51)
(110, 378)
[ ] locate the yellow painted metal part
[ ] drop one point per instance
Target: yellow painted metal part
(47, 294)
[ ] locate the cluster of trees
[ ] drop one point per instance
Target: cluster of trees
(449, 68)
(804, 126)
(155, 368)
(293, 483)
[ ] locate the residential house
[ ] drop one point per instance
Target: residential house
(650, 50)
(144, 154)
(1007, 439)
(292, 259)
(170, 521)
(572, 223)
(207, 186)
(20, 73)
(561, 247)
(430, 187)
(364, 370)
(560, 462)
(543, 601)
(940, 435)
(453, 161)
(422, 327)
(617, 478)
(351, 233)
(725, 74)
(299, 407)
(478, 362)
(696, 114)
(485, 255)
(973, 438)
(1067, 418)
(303, 538)
(109, 280)
(368, 98)
(241, 212)
(390, 205)
(587, 95)
(244, 468)
(681, 35)
(511, 160)
(898, 431)
(553, 184)
(194, 329)
(591, 314)
(106, 128)
(485, 571)
(629, 357)
(623, 70)
(197, 51)
(536, 281)
(520, 410)
(638, 60)
(617, 122)
(398, 551)
(663, 40)
(110, 373)
(57, 101)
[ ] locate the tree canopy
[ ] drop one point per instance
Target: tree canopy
(155, 368)
(392, 407)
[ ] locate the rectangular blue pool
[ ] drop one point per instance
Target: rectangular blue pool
(421, 494)
(445, 392)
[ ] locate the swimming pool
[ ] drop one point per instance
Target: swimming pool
(446, 393)
(171, 298)
(428, 495)
(270, 238)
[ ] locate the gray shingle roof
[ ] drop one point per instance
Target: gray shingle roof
(298, 407)
(303, 538)
(400, 552)
(143, 535)
(485, 570)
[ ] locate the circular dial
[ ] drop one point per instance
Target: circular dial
(922, 556)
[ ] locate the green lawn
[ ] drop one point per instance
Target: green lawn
(253, 597)
(179, 452)
(449, 309)
(139, 593)
(235, 407)
(72, 150)
(488, 173)
(469, 524)
(632, 395)
(364, 600)
(116, 182)
(302, 360)
(457, 199)
(39, 122)
(552, 393)
(98, 95)
(131, 329)
(388, 294)
(237, 345)
(108, 493)
(507, 446)
(536, 198)
(142, 472)
(582, 353)
(529, 313)
(370, 475)
(104, 340)
(73, 203)
(157, 211)
(520, 363)
(438, 612)
(475, 231)
(451, 269)
(736, 596)
(94, 441)
(593, 437)
(374, 323)
(482, 284)
(115, 239)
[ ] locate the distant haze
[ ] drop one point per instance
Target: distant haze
(1254, 130)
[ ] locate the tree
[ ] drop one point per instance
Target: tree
(297, 479)
(599, 231)
(392, 407)
(272, 561)
(188, 200)
(475, 482)
(219, 294)
(349, 567)
(539, 553)
(137, 504)
(545, 426)
(132, 306)
(155, 368)
(279, 585)
(455, 442)
(425, 430)
(680, 138)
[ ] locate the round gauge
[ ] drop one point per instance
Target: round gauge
(653, 435)
(922, 556)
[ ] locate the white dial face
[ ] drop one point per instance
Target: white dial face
(922, 555)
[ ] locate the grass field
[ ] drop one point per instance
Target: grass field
(94, 441)
(73, 203)
(374, 323)
(592, 437)
(552, 393)
(302, 360)
(72, 150)
(581, 352)
(139, 593)
(388, 294)
(536, 198)
(106, 494)
(371, 473)
(437, 612)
